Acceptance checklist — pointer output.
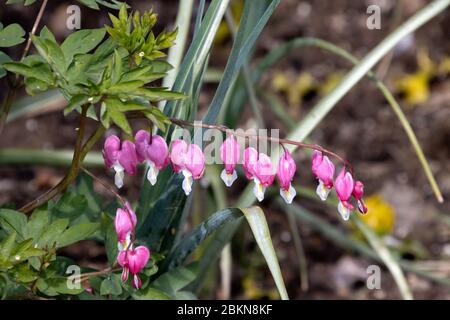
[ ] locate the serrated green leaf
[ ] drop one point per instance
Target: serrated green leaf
(76, 102)
(11, 35)
(77, 233)
(40, 72)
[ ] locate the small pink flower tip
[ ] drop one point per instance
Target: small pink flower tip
(158, 152)
(124, 222)
(344, 186)
(141, 141)
(137, 283)
(137, 259)
(358, 193)
(229, 153)
(111, 148)
(250, 158)
(178, 155)
(286, 170)
(128, 157)
(323, 168)
(263, 170)
(195, 161)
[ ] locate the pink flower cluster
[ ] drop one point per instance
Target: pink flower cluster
(344, 184)
(189, 160)
(130, 259)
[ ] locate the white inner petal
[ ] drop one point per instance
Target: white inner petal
(152, 173)
(288, 195)
(187, 182)
(343, 211)
(120, 174)
(228, 179)
(258, 189)
(322, 191)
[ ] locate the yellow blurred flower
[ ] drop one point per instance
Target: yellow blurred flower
(296, 89)
(330, 83)
(381, 216)
(223, 32)
(415, 87)
(253, 292)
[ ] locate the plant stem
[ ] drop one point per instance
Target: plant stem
(107, 186)
(184, 123)
(16, 83)
(71, 175)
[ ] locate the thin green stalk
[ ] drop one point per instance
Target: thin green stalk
(246, 72)
(302, 264)
(78, 156)
(60, 158)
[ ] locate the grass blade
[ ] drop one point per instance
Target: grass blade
(257, 221)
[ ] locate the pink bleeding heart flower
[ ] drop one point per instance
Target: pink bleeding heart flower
(229, 153)
(178, 155)
(124, 224)
(153, 149)
(358, 192)
(263, 175)
(136, 261)
(122, 158)
(123, 262)
(141, 141)
(194, 166)
(250, 158)
(110, 150)
(323, 169)
(285, 173)
(344, 186)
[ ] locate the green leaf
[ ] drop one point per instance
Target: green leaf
(173, 281)
(77, 233)
(164, 209)
(81, 41)
(52, 232)
(76, 102)
(157, 94)
(7, 245)
(3, 58)
(40, 71)
(11, 35)
(33, 86)
(13, 221)
(125, 87)
(150, 293)
(110, 238)
(38, 221)
(190, 242)
(113, 108)
(90, 4)
(111, 285)
(257, 221)
(71, 206)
